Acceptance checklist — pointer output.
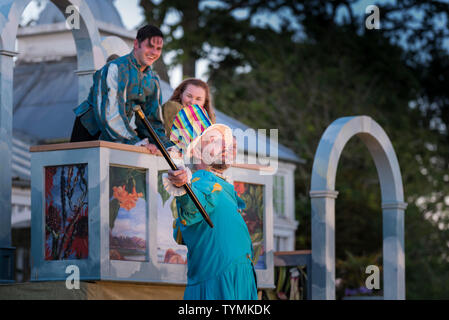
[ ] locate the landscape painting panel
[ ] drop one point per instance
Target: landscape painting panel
(127, 214)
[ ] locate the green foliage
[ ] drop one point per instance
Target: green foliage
(352, 269)
(283, 280)
(254, 200)
(426, 259)
(160, 188)
(173, 208)
(114, 206)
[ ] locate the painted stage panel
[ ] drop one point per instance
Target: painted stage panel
(128, 214)
(168, 251)
(253, 195)
(66, 212)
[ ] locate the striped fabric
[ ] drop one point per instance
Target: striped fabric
(188, 124)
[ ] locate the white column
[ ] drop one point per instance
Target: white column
(323, 244)
(393, 250)
(6, 110)
(84, 83)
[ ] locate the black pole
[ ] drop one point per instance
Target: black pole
(172, 165)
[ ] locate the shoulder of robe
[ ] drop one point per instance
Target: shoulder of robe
(172, 105)
(206, 182)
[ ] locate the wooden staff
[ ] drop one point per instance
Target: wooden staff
(172, 165)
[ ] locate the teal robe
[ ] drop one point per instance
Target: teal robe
(219, 259)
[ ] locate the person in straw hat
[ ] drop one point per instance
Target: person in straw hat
(219, 259)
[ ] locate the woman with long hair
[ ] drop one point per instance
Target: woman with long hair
(191, 91)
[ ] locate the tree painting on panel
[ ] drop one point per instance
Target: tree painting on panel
(168, 251)
(127, 214)
(66, 212)
(253, 195)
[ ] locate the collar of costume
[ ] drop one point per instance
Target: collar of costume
(134, 61)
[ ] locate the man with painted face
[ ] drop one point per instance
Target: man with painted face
(107, 113)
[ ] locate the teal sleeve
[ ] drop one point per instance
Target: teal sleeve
(118, 129)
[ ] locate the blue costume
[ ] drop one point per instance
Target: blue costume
(219, 259)
(117, 88)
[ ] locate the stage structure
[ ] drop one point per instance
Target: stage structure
(101, 207)
(323, 195)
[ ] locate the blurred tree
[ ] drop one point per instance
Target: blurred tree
(188, 44)
(204, 29)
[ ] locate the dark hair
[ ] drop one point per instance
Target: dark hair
(176, 96)
(147, 32)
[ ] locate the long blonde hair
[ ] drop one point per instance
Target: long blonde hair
(177, 93)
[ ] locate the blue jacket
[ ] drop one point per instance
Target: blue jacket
(116, 89)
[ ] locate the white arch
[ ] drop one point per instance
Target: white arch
(323, 197)
(91, 56)
(114, 45)
(87, 39)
